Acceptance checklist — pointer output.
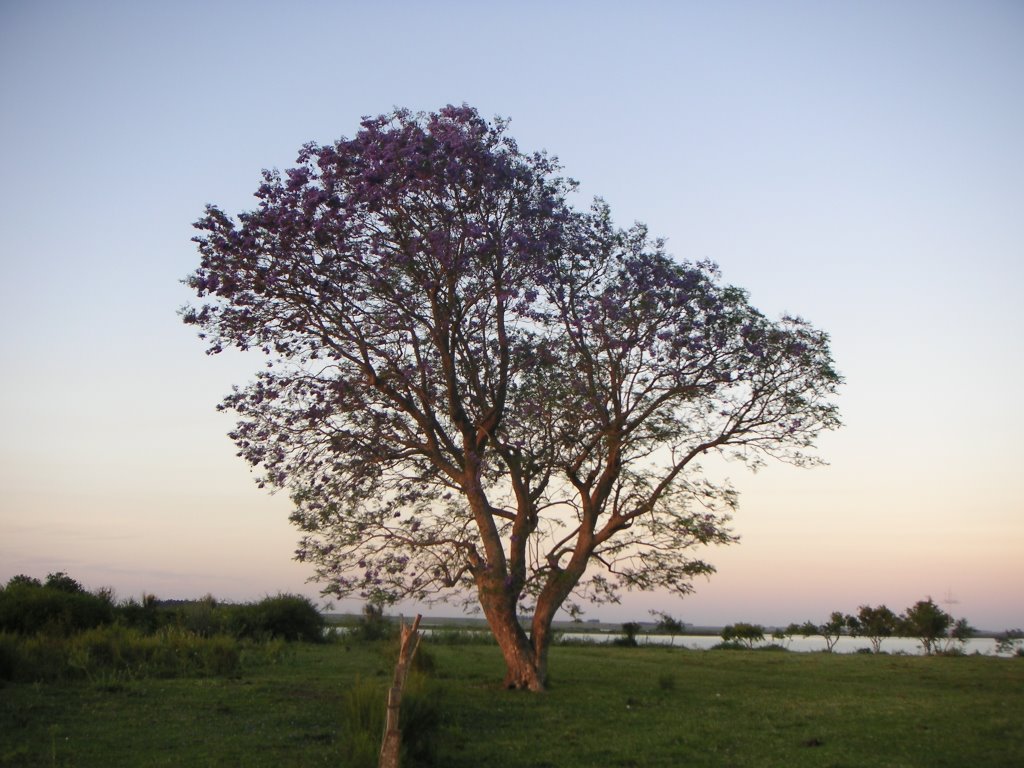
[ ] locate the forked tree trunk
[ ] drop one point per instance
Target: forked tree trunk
(526, 657)
(523, 672)
(523, 668)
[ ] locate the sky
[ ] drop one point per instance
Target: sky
(860, 164)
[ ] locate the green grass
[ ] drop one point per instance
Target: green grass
(611, 707)
(606, 707)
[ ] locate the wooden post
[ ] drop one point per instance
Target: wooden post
(391, 747)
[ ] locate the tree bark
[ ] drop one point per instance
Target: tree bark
(521, 662)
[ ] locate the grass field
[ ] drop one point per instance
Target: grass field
(607, 706)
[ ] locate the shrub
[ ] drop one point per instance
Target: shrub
(286, 617)
(292, 617)
(729, 645)
(373, 625)
(8, 655)
(205, 617)
(39, 658)
(28, 608)
(61, 582)
(146, 616)
(629, 630)
(222, 656)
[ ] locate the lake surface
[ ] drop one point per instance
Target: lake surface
(905, 645)
(807, 645)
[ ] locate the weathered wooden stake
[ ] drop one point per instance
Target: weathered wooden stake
(391, 747)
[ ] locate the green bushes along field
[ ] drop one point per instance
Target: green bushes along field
(58, 631)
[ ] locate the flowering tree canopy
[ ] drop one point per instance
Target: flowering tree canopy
(471, 387)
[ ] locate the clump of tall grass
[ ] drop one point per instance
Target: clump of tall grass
(362, 722)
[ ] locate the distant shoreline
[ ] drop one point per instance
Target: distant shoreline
(478, 624)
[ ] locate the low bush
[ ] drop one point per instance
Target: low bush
(729, 645)
(284, 617)
(373, 625)
(205, 617)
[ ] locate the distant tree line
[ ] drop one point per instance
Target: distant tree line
(937, 630)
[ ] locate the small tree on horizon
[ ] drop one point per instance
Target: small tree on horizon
(473, 389)
(875, 624)
(1010, 642)
(926, 621)
(668, 625)
(630, 630)
(959, 634)
(830, 631)
(743, 632)
(784, 635)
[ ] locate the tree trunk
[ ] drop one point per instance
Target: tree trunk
(523, 672)
(521, 669)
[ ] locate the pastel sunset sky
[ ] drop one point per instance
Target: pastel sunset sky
(860, 164)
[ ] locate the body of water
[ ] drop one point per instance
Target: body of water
(800, 644)
(906, 645)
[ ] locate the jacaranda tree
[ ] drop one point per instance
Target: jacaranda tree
(473, 389)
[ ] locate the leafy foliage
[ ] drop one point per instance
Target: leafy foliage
(1010, 642)
(56, 630)
(668, 624)
(830, 631)
(876, 624)
(62, 607)
(743, 633)
(926, 621)
(629, 632)
(61, 582)
(472, 387)
(59, 607)
(285, 617)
